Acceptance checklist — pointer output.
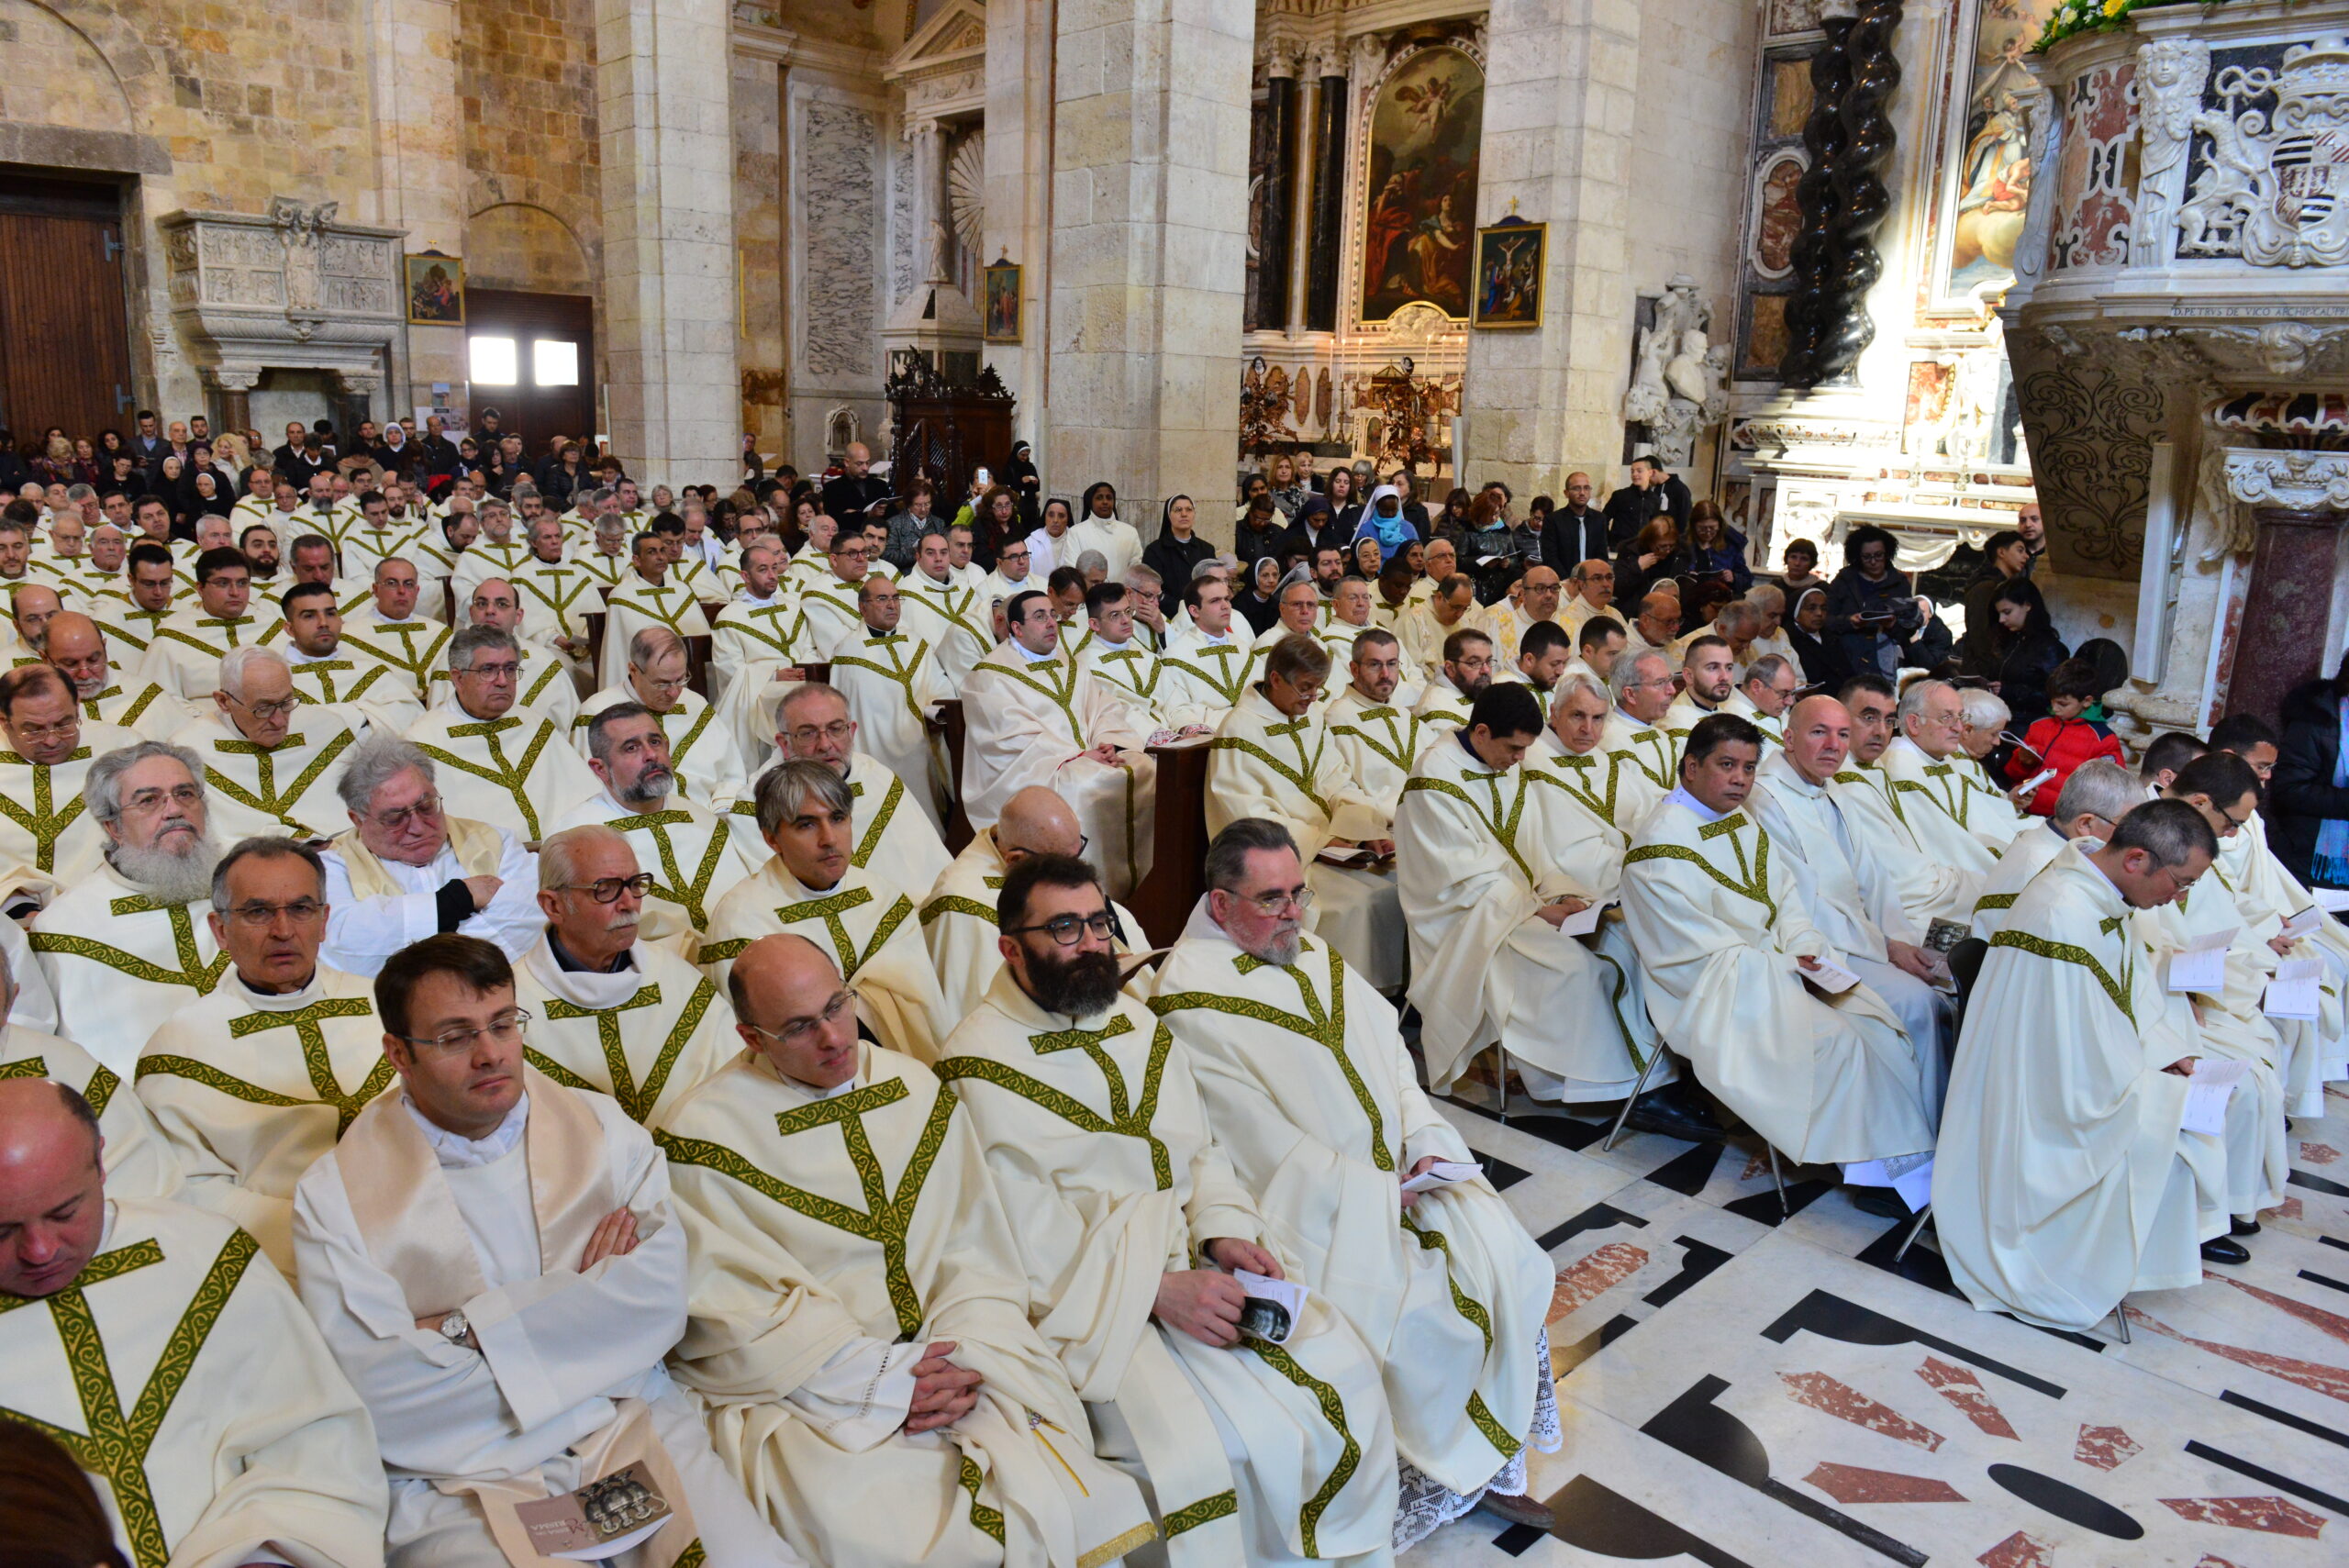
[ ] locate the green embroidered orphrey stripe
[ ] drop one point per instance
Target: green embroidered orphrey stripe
(1125, 1120)
(512, 777)
(1396, 751)
(637, 1100)
(828, 909)
(956, 904)
(1757, 884)
(116, 1443)
(1295, 774)
(44, 822)
(1326, 1028)
(890, 800)
(1333, 1410)
(98, 1091)
(1996, 901)
(193, 973)
(886, 1219)
(1480, 1415)
(1570, 775)
(691, 894)
(988, 1521)
(1063, 698)
(1502, 826)
(307, 1023)
(2068, 952)
(1223, 1504)
(899, 674)
(270, 800)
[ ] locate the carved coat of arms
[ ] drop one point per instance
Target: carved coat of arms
(2272, 187)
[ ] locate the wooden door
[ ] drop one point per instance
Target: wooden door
(533, 360)
(64, 323)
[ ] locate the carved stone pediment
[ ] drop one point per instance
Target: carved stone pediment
(291, 289)
(953, 41)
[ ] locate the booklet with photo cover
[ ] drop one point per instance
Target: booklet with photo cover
(1945, 934)
(601, 1520)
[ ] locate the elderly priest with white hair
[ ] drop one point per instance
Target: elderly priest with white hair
(2094, 799)
(269, 756)
(2065, 1178)
(1313, 1096)
(867, 1362)
(1730, 956)
(176, 1366)
(408, 868)
(494, 1263)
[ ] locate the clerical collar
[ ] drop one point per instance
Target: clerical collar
(1044, 658)
(455, 1150)
(1634, 723)
(1213, 638)
(1680, 795)
(622, 962)
(1101, 642)
(1461, 735)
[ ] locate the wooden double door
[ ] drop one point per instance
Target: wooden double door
(532, 358)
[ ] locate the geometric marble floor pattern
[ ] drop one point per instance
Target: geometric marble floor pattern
(1738, 1386)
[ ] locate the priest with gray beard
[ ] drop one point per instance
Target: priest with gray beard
(129, 945)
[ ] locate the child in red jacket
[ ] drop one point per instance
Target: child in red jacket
(2063, 740)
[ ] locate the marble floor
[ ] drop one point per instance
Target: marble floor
(1741, 1387)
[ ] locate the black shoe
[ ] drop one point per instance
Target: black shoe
(1882, 1202)
(1672, 1112)
(1519, 1510)
(2219, 1249)
(2238, 1226)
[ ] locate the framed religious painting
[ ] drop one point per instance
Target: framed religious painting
(1001, 316)
(436, 290)
(1509, 275)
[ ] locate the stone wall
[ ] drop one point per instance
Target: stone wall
(525, 84)
(758, 249)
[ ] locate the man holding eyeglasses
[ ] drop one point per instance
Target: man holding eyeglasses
(268, 776)
(493, 1258)
(1325, 1127)
(616, 1013)
(45, 833)
(1112, 1183)
(702, 754)
(408, 867)
(253, 1082)
(692, 854)
(513, 769)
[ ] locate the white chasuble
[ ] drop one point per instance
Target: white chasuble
(141, 707)
(1714, 918)
(701, 748)
(869, 930)
(961, 624)
(1311, 1094)
(542, 684)
(1200, 680)
(1030, 722)
(893, 686)
(1952, 810)
(410, 649)
(751, 642)
(1894, 833)
(1475, 858)
(250, 1088)
(850, 1229)
(1443, 707)
(121, 963)
(183, 657)
(557, 597)
(515, 773)
(644, 1034)
(1590, 818)
(693, 854)
(2024, 859)
(2063, 1180)
(287, 788)
(182, 1375)
(1128, 672)
(634, 605)
(384, 693)
(1285, 771)
(48, 838)
(139, 1163)
(1375, 745)
(1644, 767)
(958, 924)
(2268, 894)
(1098, 1145)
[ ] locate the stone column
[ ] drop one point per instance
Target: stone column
(2294, 505)
(1018, 211)
(1560, 104)
(420, 167)
(235, 385)
(1149, 250)
(664, 126)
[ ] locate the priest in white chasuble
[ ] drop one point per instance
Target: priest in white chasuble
(255, 1080)
(390, 630)
(1313, 1095)
(1207, 665)
(1035, 718)
(961, 631)
(382, 533)
(1948, 804)
(139, 1163)
(754, 631)
(1485, 898)
(692, 854)
(2094, 798)
(408, 867)
(1301, 609)
(1374, 732)
(1128, 1221)
(1272, 759)
(495, 1261)
(128, 946)
(896, 845)
(496, 552)
(270, 759)
(2065, 1179)
(327, 672)
(176, 1366)
(1461, 676)
(603, 554)
(2268, 894)
(511, 770)
(1124, 663)
(958, 920)
(183, 657)
(858, 1326)
(544, 685)
(1893, 828)
(151, 582)
(1764, 694)
(78, 648)
(1597, 803)
(1641, 753)
(559, 595)
(650, 593)
(615, 1014)
(810, 887)
(1726, 944)
(707, 764)
(891, 680)
(1708, 676)
(48, 839)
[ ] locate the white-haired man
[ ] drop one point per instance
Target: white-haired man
(1764, 690)
(514, 769)
(268, 756)
(48, 839)
(1948, 804)
(406, 868)
(896, 844)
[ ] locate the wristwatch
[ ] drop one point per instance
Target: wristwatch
(456, 1329)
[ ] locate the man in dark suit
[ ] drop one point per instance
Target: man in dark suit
(149, 446)
(1651, 491)
(851, 498)
(1576, 531)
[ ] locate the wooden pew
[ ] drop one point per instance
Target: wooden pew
(959, 831)
(1178, 844)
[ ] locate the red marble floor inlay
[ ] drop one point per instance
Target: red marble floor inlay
(1965, 1390)
(2275, 1516)
(2318, 1153)
(2333, 1381)
(2290, 1208)
(1756, 1167)
(1856, 1483)
(2212, 1560)
(2019, 1550)
(2316, 1318)
(1847, 1403)
(2106, 1448)
(1593, 1276)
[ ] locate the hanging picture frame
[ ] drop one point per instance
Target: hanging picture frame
(1510, 257)
(436, 290)
(1001, 316)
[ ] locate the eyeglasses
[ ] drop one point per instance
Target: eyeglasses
(507, 1029)
(257, 915)
(265, 711)
(1069, 930)
(607, 889)
(1272, 904)
(425, 810)
(186, 795)
(58, 731)
(796, 1031)
(809, 734)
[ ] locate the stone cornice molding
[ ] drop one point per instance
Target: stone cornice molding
(755, 37)
(2295, 481)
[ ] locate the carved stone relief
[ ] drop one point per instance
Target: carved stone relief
(837, 147)
(2269, 181)
(904, 224)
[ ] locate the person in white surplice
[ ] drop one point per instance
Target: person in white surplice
(493, 1262)
(2094, 798)
(2064, 1178)
(1130, 1223)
